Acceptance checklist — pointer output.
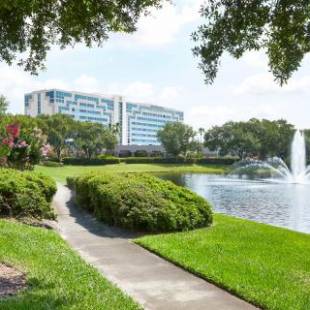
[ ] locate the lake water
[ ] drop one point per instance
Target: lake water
(279, 204)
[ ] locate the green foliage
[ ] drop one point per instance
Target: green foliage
(80, 139)
(3, 105)
(178, 139)
(141, 202)
(92, 138)
(157, 154)
(25, 145)
(90, 162)
(31, 27)
(263, 264)
(279, 27)
(141, 153)
(26, 194)
(255, 138)
(58, 128)
(50, 163)
(103, 160)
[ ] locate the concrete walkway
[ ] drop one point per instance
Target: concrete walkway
(149, 279)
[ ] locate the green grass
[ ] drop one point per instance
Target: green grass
(265, 265)
(60, 173)
(57, 277)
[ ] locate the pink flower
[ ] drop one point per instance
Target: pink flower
(45, 149)
(13, 130)
(22, 144)
(9, 142)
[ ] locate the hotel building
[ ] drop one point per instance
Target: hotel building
(138, 122)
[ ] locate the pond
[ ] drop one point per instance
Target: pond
(279, 204)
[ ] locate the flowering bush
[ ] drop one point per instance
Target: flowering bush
(20, 149)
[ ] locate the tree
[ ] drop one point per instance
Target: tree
(3, 104)
(255, 138)
(33, 26)
(178, 139)
(58, 128)
(281, 27)
(92, 138)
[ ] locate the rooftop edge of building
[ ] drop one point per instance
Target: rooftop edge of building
(105, 96)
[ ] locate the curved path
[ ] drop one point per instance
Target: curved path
(149, 279)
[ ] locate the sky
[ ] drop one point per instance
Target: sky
(156, 65)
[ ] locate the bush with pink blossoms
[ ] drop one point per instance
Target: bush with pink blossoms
(21, 142)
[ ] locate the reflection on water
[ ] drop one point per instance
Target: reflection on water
(280, 204)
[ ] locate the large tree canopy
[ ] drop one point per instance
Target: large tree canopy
(32, 26)
(178, 139)
(281, 27)
(255, 138)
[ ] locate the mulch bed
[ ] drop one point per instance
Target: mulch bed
(11, 281)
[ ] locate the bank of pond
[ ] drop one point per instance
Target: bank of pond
(265, 265)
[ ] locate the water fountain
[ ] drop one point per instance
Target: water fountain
(298, 172)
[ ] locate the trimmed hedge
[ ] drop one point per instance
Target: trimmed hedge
(49, 163)
(147, 160)
(91, 162)
(141, 153)
(217, 161)
(141, 202)
(26, 194)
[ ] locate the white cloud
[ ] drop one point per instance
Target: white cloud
(86, 83)
(256, 59)
(14, 83)
(258, 84)
(161, 26)
(264, 84)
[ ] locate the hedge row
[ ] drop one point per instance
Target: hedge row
(141, 202)
(91, 162)
(26, 194)
(147, 160)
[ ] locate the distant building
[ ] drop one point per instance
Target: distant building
(138, 123)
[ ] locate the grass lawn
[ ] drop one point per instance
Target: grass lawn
(58, 278)
(60, 173)
(265, 265)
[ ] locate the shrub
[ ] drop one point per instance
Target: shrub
(49, 163)
(21, 142)
(125, 153)
(141, 153)
(217, 161)
(90, 162)
(26, 194)
(138, 160)
(141, 202)
(106, 160)
(157, 154)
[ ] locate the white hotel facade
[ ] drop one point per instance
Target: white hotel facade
(138, 122)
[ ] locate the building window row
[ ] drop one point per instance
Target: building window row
(86, 105)
(147, 125)
(143, 135)
(97, 119)
(151, 119)
(143, 129)
(156, 115)
(148, 141)
(89, 111)
(87, 98)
